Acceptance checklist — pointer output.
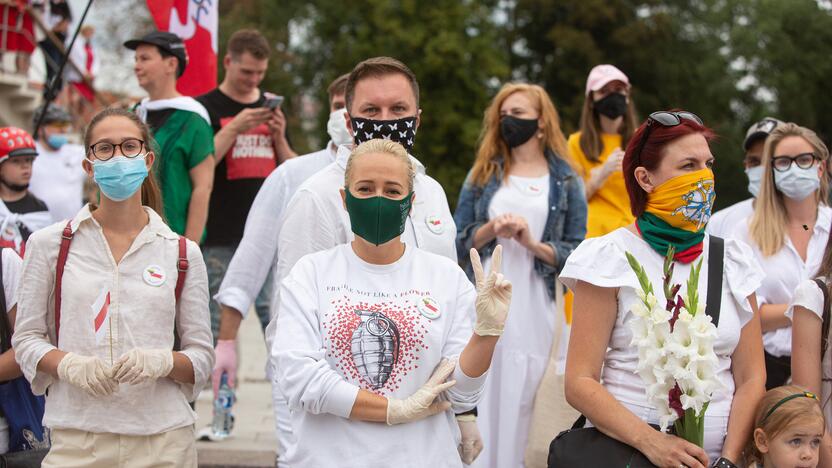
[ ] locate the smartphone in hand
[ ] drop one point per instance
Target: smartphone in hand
(273, 102)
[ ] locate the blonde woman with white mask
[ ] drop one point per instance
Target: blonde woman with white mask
(102, 300)
(788, 232)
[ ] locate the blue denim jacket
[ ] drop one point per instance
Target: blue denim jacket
(565, 225)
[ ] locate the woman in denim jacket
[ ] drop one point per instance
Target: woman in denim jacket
(534, 205)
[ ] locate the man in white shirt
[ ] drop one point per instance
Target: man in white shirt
(257, 254)
(382, 99)
(57, 176)
(723, 222)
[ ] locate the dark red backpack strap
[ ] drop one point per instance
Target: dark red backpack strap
(66, 239)
(181, 267)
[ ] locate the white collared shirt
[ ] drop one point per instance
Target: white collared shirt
(257, 251)
(785, 270)
(142, 313)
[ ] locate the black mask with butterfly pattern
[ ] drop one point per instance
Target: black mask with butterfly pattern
(402, 131)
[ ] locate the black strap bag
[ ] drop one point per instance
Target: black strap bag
(587, 447)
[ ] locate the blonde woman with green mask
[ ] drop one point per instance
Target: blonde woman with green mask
(377, 340)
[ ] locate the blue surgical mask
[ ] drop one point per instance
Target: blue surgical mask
(119, 177)
(57, 140)
(755, 177)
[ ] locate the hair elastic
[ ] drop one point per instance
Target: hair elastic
(788, 398)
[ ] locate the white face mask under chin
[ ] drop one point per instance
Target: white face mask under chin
(336, 127)
(797, 183)
(755, 177)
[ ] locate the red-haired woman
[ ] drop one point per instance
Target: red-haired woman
(667, 170)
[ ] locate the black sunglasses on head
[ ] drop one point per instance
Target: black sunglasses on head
(665, 119)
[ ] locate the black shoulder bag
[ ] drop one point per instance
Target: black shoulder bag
(587, 447)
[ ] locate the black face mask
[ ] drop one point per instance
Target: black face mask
(402, 131)
(613, 105)
(517, 131)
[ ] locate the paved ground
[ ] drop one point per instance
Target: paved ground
(252, 443)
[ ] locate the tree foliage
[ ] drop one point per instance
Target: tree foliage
(730, 61)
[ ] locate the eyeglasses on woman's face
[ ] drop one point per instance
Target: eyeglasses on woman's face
(803, 161)
(129, 148)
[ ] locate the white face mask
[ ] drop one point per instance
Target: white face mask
(755, 177)
(797, 183)
(336, 127)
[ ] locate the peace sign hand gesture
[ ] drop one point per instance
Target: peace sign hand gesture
(493, 295)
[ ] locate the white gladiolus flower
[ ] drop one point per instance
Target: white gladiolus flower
(640, 310)
(641, 330)
(683, 356)
(702, 328)
(659, 314)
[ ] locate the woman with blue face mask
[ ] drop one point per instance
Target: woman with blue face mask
(379, 342)
(113, 316)
(788, 232)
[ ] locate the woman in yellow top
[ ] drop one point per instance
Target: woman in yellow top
(607, 122)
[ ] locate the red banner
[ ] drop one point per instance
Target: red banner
(196, 22)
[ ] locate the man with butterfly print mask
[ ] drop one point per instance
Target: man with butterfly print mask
(382, 102)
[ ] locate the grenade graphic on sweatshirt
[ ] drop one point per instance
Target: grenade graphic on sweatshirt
(375, 347)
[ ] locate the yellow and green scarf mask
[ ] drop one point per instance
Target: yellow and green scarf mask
(676, 214)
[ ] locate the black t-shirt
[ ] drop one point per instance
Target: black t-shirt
(241, 172)
(27, 204)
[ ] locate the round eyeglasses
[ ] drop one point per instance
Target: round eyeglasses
(803, 161)
(129, 148)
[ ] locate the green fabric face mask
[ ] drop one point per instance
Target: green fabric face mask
(377, 219)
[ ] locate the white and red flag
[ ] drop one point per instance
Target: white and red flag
(197, 23)
(101, 313)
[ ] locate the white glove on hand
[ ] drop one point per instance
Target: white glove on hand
(471, 444)
(493, 295)
(88, 373)
(141, 365)
(423, 403)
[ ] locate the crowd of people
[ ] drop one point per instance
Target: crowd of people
(401, 333)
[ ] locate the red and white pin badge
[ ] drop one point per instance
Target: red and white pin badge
(435, 224)
(154, 275)
(429, 308)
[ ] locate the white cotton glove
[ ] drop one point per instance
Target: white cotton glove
(471, 444)
(423, 403)
(141, 365)
(493, 295)
(88, 373)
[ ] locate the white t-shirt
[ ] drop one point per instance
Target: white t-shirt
(723, 222)
(785, 270)
(810, 297)
(58, 180)
(345, 324)
(11, 272)
(602, 262)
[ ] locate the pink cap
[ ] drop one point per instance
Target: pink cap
(600, 75)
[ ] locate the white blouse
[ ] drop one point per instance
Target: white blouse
(785, 270)
(142, 311)
(602, 262)
(809, 296)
